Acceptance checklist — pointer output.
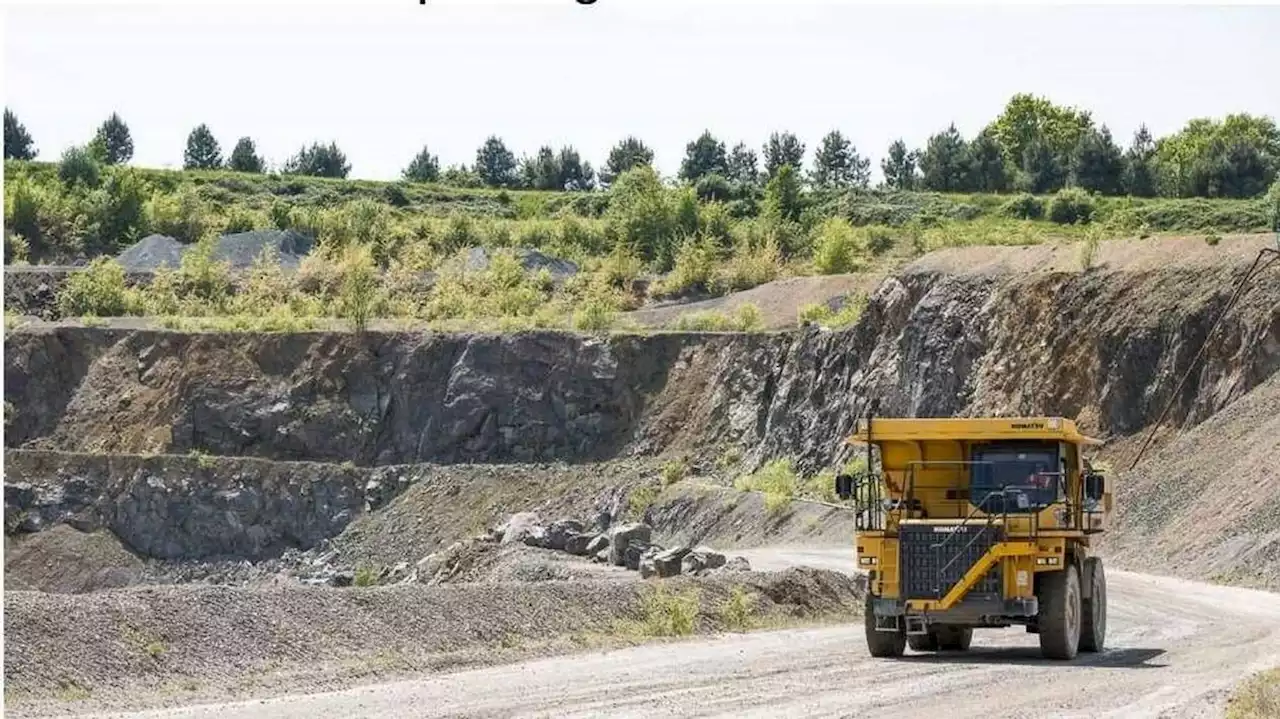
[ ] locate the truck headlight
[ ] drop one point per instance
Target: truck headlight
(866, 560)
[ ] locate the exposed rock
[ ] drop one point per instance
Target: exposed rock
(599, 543)
(622, 536)
(521, 526)
(343, 578)
(579, 544)
(559, 532)
(667, 563)
(604, 556)
(637, 550)
(700, 559)
(737, 564)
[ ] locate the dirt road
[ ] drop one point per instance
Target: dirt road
(1175, 650)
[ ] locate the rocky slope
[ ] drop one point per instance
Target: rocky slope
(1105, 346)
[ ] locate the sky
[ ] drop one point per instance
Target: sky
(383, 80)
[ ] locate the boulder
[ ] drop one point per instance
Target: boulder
(667, 563)
(621, 537)
(519, 526)
(648, 567)
(557, 535)
(535, 537)
(598, 543)
(636, 551)
(738, 564)
(603, 556)
(700, 559)
(343, 578)
(579, 544)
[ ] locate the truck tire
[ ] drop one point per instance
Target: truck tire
(954, 639)
(1059, 617)
(1093, 611)
(882, 644)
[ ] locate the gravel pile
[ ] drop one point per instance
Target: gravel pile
(243, 248)
(151, 253)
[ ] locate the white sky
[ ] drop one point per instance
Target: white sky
(385, 79)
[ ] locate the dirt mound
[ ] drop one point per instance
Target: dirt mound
(151, 253)
(66, 560)
(779, 301)
(115, 648)
(1207, 503)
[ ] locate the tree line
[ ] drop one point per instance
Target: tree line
(1034, 146)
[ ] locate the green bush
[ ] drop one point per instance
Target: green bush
(747, 318)
(747, 267)
(183, 216)
(1025, 206)
(670, 615)
(777, 480)
(694, 267)
(823, 315)
(837, 249)
(78, 166)
(359, 297)
(594, 316)
(97, 291)
(879, 240)
(1071, 206)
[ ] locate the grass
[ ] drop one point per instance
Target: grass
(640, 499)
(367, 575)
(667, 614)
(824, 316)
(778, 482)
(674, 470)
(1258, 697)
(737, 611)
(746, 318)
(203, 459)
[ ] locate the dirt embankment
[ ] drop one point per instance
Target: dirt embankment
(1105, 346)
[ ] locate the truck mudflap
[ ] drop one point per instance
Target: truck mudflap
(971, 610)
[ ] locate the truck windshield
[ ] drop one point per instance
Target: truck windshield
(1014, 479)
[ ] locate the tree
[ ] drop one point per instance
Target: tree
(541, 172)
(782, 195)
(244, 157)
(837, 165)
(899, 167)
(575, 175)
(629, 153)
(783, 149)
(202, 151)
(1027, 117)
(18, 144)
(742, 165)
(1139, 165)
(1096, 164)
(112, 142)
(1209, 157)
(424, 167)
(1041, 170)
(318, 161)
(944, 164)
(986, 170)
(703, 156)
(495, 164)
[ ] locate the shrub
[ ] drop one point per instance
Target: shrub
(16, 249)
(594, 316)
(97, 291)
(879, 240)
(694, 266)
(737, 610)
(1071, 206)
(358, 298)
(776, 480)
(78, 166)
(823, 315)
(182, 216)
(1089, 250)
(836, 247)
(673, 471)
(747, 318)
(1212, 239)
(202, 279)
(747, 268)
(366, 575)
(670, 615)
(22, 209)
(1025, 206)
(240, 219)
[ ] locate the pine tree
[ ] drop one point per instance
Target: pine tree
(244, 157)
(18, 144)
(899, 167)
(202, 151)
(783, 149)
(113, 144)
(424, 167)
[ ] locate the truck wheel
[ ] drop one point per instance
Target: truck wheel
(882, 644)
(1093, 611)
(923, 642)
(954, 639)
(1059, 617)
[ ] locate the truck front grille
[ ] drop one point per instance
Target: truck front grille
(934, 557)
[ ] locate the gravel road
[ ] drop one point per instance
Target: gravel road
(1175, 650)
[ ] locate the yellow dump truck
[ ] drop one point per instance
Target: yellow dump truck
(972, 523)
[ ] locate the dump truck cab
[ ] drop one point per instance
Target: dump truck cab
(966, 523)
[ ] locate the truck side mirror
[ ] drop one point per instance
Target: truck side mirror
(1095, 486)
(844, 486)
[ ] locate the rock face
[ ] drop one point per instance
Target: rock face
(186, 508)
(1105, 347)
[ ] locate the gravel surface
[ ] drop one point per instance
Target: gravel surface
(1175, 649)
(242, 249)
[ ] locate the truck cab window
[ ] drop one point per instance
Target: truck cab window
(1014, 478)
